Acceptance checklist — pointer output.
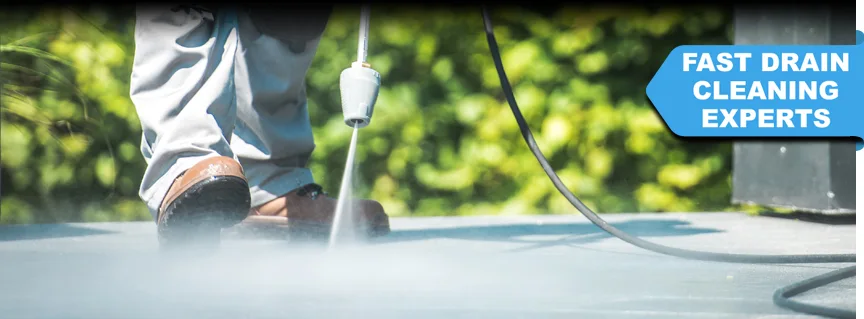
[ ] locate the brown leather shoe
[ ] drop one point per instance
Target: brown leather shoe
(209, 196)
(308, 212)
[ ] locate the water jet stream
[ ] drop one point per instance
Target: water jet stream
(343, 219)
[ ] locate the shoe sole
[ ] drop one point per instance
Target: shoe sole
(270, 226)
(198, 215)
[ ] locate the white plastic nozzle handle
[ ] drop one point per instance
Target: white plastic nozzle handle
(359, 87)
(359, 84)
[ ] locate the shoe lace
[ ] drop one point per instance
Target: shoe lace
(312, 190)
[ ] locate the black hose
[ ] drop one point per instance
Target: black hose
(657, 248)
(782, 295)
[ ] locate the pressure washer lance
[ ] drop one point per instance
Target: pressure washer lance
(359, 89)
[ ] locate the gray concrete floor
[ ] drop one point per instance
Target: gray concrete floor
(465, 267)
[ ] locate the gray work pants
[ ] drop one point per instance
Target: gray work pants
(212, 83)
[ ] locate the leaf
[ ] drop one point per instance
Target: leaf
(33, 52)
(106, 173)
(15, 145)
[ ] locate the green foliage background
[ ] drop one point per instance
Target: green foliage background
(442, 141)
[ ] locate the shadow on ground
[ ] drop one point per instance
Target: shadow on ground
(575, 233)
(845, 219)
(45, 231)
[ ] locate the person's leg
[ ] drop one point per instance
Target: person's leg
(182, 88)
(273, 139)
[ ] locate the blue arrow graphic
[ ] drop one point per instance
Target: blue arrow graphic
(762, 90)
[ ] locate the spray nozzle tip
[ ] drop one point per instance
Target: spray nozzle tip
(358, 123)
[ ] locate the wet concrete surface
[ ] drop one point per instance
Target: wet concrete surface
(450, 267)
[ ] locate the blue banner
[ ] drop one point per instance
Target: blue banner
(762, 90)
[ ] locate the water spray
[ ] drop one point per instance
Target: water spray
(358, 86)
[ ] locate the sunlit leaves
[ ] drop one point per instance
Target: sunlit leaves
(15, 211)
(106, 171)
(518, 58)
(66, 108)
(15, 145)
(593, 62)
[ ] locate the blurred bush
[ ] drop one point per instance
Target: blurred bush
(442, 141)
